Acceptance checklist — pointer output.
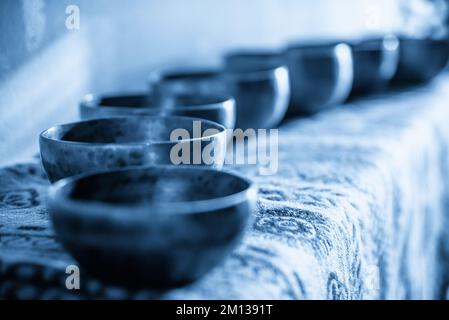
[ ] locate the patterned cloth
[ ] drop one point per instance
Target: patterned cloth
(357, 210)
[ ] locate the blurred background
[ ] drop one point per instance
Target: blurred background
(52, 52)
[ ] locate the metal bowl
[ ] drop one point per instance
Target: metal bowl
(260, 83)
(152, 226)
(102, 144)
(214, 107)
(321, 75)
(421, 60)
(261, 93)
(375, 63)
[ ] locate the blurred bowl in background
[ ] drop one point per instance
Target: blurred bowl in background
(251, 59)
(261, 92)
(218, 108)
(375, 63)
(321, 75)
(259, 82)
(421, 60)
(153, 226)
(116, 105)
(173, 82)
(102, 144)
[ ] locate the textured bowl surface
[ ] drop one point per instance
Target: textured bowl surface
(102, 144)
(159, 226)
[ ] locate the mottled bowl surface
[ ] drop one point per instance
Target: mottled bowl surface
(109, 143)
(321, 75)
(157, 226)
(421, 60)
(219, 108)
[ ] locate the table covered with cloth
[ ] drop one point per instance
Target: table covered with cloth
(359, 209)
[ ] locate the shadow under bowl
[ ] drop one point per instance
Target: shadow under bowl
(421, 60)
(375, 63)
(151, 227)
(321, 75)
(218, 107)
(109, 143)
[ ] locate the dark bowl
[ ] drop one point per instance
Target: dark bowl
(214, 107)
(260, 83)
(321, 75)
(375, 63)
(421, 60)
(151, 227)
(261, 94)
(103, 144)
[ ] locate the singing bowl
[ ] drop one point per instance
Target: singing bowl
(103, 144)
(260, 84)
(214, 107)
(375, 63)
(321, 75)
(261, 93)
(420, 60)
(151, 227)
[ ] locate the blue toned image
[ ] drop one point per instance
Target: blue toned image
(222, 151)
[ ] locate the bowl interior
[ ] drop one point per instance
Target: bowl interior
(155, 185)
(192, 100)
(126, 130)
(253, 61)
(190, 75)
(314, 49)
(126, 101)
(172, 100)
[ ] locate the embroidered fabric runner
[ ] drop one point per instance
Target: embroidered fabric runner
(357, 210)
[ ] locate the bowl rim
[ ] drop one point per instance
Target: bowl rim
(315, 47)
(385, 43)
(59, 196)
(259, 74)
(162, 75)
(92, 101)
(425, 40)
(219, 74)
(43, 136)
(263, 69)
(246, 52)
